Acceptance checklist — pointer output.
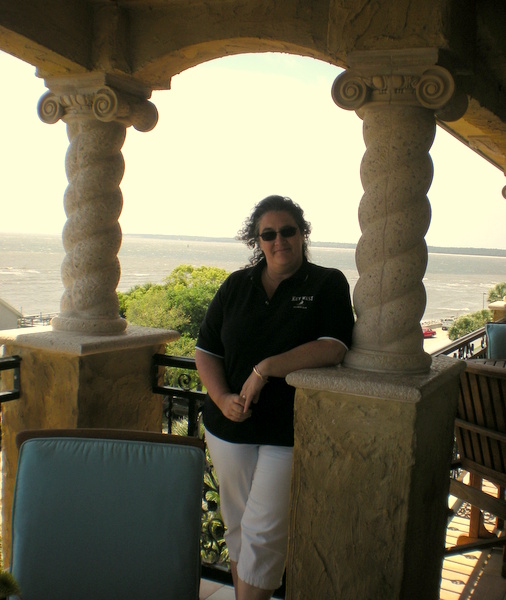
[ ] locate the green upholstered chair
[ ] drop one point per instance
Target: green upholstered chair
(107, 514)
(496, 340)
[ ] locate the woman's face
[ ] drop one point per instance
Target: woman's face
(283, 254)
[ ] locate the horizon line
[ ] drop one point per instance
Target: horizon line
(467, 250)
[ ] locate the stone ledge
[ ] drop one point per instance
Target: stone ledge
(45, 338)
(401, 387)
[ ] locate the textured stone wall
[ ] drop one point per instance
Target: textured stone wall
(369, 489)
(350, 453)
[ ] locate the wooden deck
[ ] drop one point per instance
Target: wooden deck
(474, 575)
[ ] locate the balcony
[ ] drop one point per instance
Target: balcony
(477, 573)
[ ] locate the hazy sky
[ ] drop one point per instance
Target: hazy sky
(231, 132)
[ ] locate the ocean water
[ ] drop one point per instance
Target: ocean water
(30, 270)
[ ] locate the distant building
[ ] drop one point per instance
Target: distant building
(8, 316)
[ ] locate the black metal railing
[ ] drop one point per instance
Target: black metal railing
(11, 363)
(181, 389)
(471, 345)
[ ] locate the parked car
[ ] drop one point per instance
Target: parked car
(428, 332)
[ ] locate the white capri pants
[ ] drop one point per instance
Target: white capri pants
(255, 496)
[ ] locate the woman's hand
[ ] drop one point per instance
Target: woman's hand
(251, 389)
(233, 406)
(212, 375)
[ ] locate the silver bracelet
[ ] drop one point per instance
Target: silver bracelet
(257, 372)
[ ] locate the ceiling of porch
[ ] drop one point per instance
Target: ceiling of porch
(152, 40)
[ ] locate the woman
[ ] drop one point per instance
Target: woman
(277, 316)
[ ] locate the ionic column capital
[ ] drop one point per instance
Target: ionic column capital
(407, 78)
(102, 96)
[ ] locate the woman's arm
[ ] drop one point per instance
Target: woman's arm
(212, 374)
(318, 353)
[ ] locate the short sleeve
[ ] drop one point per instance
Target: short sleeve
(335, 312)
(209, 337)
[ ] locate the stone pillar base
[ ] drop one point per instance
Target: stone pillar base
(370, 482)
(72, 380)
(498, 309)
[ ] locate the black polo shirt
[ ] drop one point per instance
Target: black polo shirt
(242, 326)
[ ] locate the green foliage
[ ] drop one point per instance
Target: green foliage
(192, 289)
(179, 304)
(184, 346)
(473, 321)
(469, 323)
(8, 585)
(152, 309)
(498, 292)
(190, 276)
(134, 293)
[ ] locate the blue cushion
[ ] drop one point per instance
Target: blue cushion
(102, 519)
(496, 340)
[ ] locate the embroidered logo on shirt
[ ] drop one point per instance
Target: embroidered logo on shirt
(301, 301)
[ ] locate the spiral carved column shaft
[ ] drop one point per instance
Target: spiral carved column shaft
(397, 104)
(92, 234)
(96, 115)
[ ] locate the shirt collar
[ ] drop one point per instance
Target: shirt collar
(299, 276)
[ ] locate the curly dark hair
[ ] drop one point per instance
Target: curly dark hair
(249, 232)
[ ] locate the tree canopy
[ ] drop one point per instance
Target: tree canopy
(498, 292)
(469, 323)
(180, 303)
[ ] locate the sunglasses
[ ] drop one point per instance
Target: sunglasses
(287, 232)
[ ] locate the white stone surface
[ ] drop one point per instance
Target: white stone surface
(45, 338)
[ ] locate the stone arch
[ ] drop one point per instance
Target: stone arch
(165, 66)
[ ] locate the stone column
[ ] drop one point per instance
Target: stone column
(88, 369)
(397, 94)
(97, 108)
(373, 438)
